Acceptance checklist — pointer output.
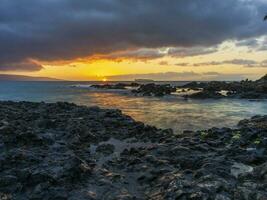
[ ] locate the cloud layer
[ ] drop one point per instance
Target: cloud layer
(52, 30)
(179, 76)
(23, 65)
(237, 62)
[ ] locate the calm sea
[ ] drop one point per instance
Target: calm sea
(167, 112)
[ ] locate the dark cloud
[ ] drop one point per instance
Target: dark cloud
(25, 65)
(144, 54)
(139, 54)
(65, 29)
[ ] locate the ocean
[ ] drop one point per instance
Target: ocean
(167, 112)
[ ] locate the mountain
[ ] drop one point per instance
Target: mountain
(9, 77)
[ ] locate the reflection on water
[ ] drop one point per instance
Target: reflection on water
(168, 112)
(180, 114)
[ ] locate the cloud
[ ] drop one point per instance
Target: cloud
(179, 76)
(251, 43)
(263, 45)
(182, 52)
(259, 65)
(239, 62)
(225, 77)
(164, 63)
(138, 54)
(182, 64)
(26, 65)
(213, 63)
(47, 30)
(254, 44)
(156, 76)
(144, 54)
(211, 73)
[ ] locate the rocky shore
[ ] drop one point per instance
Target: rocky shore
(63, 151)
(202, 90)
(117, 86)
(153, 89)
(244, 89)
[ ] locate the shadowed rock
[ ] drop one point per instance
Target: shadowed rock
(155, 90)
(118, 86)
(244, 89)
(64, 151)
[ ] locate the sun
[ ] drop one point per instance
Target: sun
(104, 80)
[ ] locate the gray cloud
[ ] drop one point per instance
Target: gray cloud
(242, 62)
(154, 53)
(26, 65)
(238, 62)
(254, 44)
(138, 54)
(263, 45)
(66, 29)
(260, 65)
(181, 52)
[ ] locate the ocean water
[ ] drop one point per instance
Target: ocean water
(167, 112)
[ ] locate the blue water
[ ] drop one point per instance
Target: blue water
(168, 112)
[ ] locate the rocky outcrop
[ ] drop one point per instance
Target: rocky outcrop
(244, 89)
(118, 86)
(205, 95)
(154, 90)
(64, 151)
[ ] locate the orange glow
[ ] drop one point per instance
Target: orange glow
(100, 68)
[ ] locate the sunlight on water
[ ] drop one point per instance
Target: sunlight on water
(167, 112)
(179, 114)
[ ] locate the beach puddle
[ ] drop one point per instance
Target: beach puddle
(113, 148)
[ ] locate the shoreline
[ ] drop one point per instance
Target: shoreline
(64, 151)
(245, 89)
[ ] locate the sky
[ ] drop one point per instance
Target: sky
(127, 40)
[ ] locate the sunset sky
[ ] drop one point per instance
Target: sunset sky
(129, 39)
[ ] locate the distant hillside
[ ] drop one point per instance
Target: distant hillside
(9, 77)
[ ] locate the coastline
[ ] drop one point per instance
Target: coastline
(64, 151)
